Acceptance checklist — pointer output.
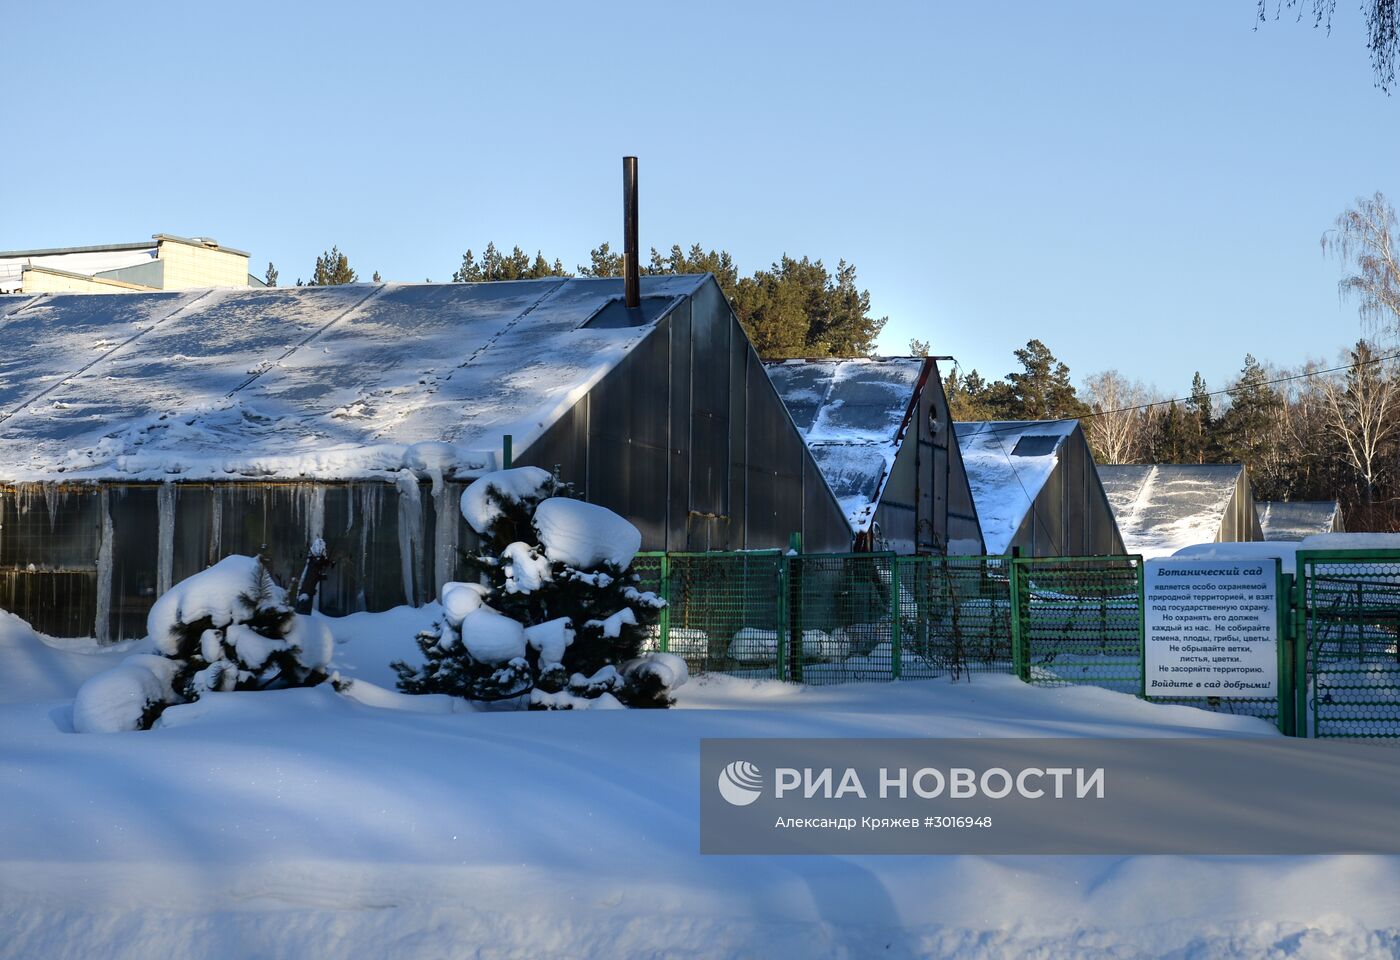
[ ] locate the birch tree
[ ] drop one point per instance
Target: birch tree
(1363, 239)
(1363, 410)
(1114, 427)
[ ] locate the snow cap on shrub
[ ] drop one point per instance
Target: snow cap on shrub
(585, 535)
(669, 669)
(314, 639)
(551, 639)
(460, 599)
(492, 638)
(119, 699)
(517, 485)
(225, 593)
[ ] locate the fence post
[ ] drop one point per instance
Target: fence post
(1142, 629)
(1018, 644)
(782, 667)
(894, 618)
(1287, 679)
(665, 641)
(1300, 649)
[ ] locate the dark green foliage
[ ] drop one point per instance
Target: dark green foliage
(697, 260)
(1247, 427)
(207, 656)
(448, 668)
(796, 308)
(332, 269)
(1199, 441)
(602, 262)
(969, 398)
(1173, 436)
(270, 278)
(586, 598)
(1040, 390)
(515, 265)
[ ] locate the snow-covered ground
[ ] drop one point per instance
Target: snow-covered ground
(303, 823)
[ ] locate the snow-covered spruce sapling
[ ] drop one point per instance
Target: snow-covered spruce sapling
(230, 627)
(558, 568)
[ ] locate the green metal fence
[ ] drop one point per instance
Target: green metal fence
(1078, 621)
(831, 618)
(954, 616)
(1348, 628)
(725, 612)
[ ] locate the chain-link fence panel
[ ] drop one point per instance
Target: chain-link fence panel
(1349, 615)
(1079, 621)
(724, 611)
(841, 617)
(954, 616)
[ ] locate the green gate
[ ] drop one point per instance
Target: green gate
(1348, 628)
(1078, 620)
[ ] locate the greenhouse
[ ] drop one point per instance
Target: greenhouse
(1162, 507)
(1036, 489)
(1296, 519)
(145, 435)
(879, 429)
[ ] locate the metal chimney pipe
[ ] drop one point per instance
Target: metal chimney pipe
(631, 264)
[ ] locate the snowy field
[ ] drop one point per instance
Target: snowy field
(303, 823)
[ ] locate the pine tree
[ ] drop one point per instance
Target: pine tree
(376, 278)
(1173, 437)
(919, 348)
(515, 265)
(697, 260)
(602, 262)
(270, 278)
(332, 269)
(1247, 429)
(1041, 390)
(1200, 425)
(970, 397)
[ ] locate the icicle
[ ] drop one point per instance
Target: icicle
(316, 513)
(410, 530)
(367, 495)
(103, 624)
(446, 516)
(368, 514)
(216, 526)
(165, 557)
(51, 501)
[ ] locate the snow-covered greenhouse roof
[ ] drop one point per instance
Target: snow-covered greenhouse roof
(304, 382)
(853, 414)
(1163, 507)
(1007, 462)
(1294, 520)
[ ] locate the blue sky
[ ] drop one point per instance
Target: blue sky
(1140, 185)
